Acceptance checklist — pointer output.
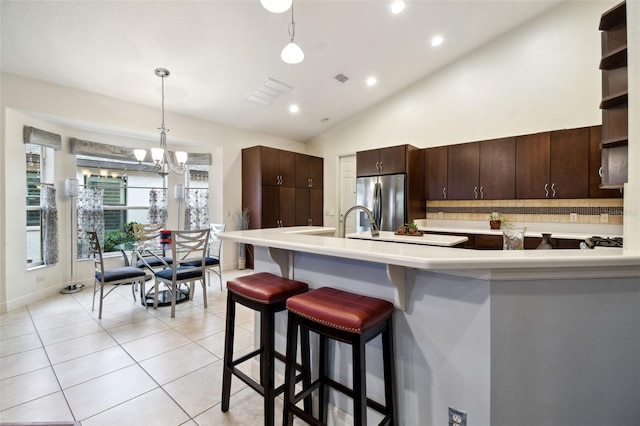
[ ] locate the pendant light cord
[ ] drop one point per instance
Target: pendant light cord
(292, 25)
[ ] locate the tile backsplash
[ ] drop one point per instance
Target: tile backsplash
(588, 211)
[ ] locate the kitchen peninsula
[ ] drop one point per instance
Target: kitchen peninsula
(502, 336)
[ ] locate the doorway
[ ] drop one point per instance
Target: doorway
(347, 192)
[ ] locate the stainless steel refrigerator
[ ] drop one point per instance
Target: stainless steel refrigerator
(386, 197)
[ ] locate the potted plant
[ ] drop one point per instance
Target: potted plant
(412, 228)
(496, 220)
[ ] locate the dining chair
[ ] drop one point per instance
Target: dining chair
(149, 232)
(113, 276)
(212, 260)
(185, 245)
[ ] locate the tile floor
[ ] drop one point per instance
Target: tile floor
(136, 366)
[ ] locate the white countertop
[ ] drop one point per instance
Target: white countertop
(428, 239)
(554, 264)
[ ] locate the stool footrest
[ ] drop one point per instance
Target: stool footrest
(246, 357)
(248, 381)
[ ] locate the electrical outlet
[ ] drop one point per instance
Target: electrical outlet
(604, 217)
(457, 417)
(40, 278)
(440, 215)
(573, 217)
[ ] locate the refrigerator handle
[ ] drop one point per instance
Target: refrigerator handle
(377, 203)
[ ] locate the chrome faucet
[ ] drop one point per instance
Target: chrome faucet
(374, 228)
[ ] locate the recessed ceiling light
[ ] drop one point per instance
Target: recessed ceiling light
(371, 81)
(397, 7)
(294, 108)
(436, 41)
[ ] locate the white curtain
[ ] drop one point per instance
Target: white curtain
(49, 223)
(157, 206)
(196, 203)
(90, 218)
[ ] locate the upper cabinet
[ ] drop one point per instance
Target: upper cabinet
(498, 169)
(463, 166)
(278, 166)
(382, 161)
(435, 183)
(553, 164)
(472, 171)
(615, 111)
(309, 171)
(558, 164)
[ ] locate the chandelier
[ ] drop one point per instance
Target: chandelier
(162, 163)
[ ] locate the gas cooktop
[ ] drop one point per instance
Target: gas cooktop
(596, 241)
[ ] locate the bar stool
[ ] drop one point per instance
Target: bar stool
(349, 318)
(267, 294)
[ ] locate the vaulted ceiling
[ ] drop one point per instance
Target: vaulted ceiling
(220, 52)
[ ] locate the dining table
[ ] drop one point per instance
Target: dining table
(143, 251)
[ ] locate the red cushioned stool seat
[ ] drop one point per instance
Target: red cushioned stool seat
(345, 317)
(267, 294)
(266, 288)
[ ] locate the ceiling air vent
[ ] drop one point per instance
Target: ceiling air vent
(341, 78)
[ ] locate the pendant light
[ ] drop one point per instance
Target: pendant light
(162, 163)
(292, 53)
(276, 6)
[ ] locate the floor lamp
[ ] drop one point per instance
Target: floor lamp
(71, 190)
(179, 195)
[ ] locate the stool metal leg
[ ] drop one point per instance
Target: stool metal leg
(228, 352)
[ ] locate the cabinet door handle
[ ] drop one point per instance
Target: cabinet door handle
(546, 190)
(475, 192)
(601, 171)
(481, 192)
(310, 183)
(553, 190)
(444, 193)
(310, 221)
(377, 166)
(381, 167)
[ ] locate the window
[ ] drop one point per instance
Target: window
(39, 162)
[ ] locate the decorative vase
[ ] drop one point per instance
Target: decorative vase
(495, 224)
(545, 244)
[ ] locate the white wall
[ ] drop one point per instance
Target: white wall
(542, 76)
(73, 113)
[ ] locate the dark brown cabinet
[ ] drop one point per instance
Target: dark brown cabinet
(481, 170)
(614, 105)
(569, 163)
(553, 164)
(532, 165)
(270, 191)
(309, 171)
(463, 171)
(498, 169)
(382, 161)
(278, 167)
(595, 167)
(308, 207)
(435, 184)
